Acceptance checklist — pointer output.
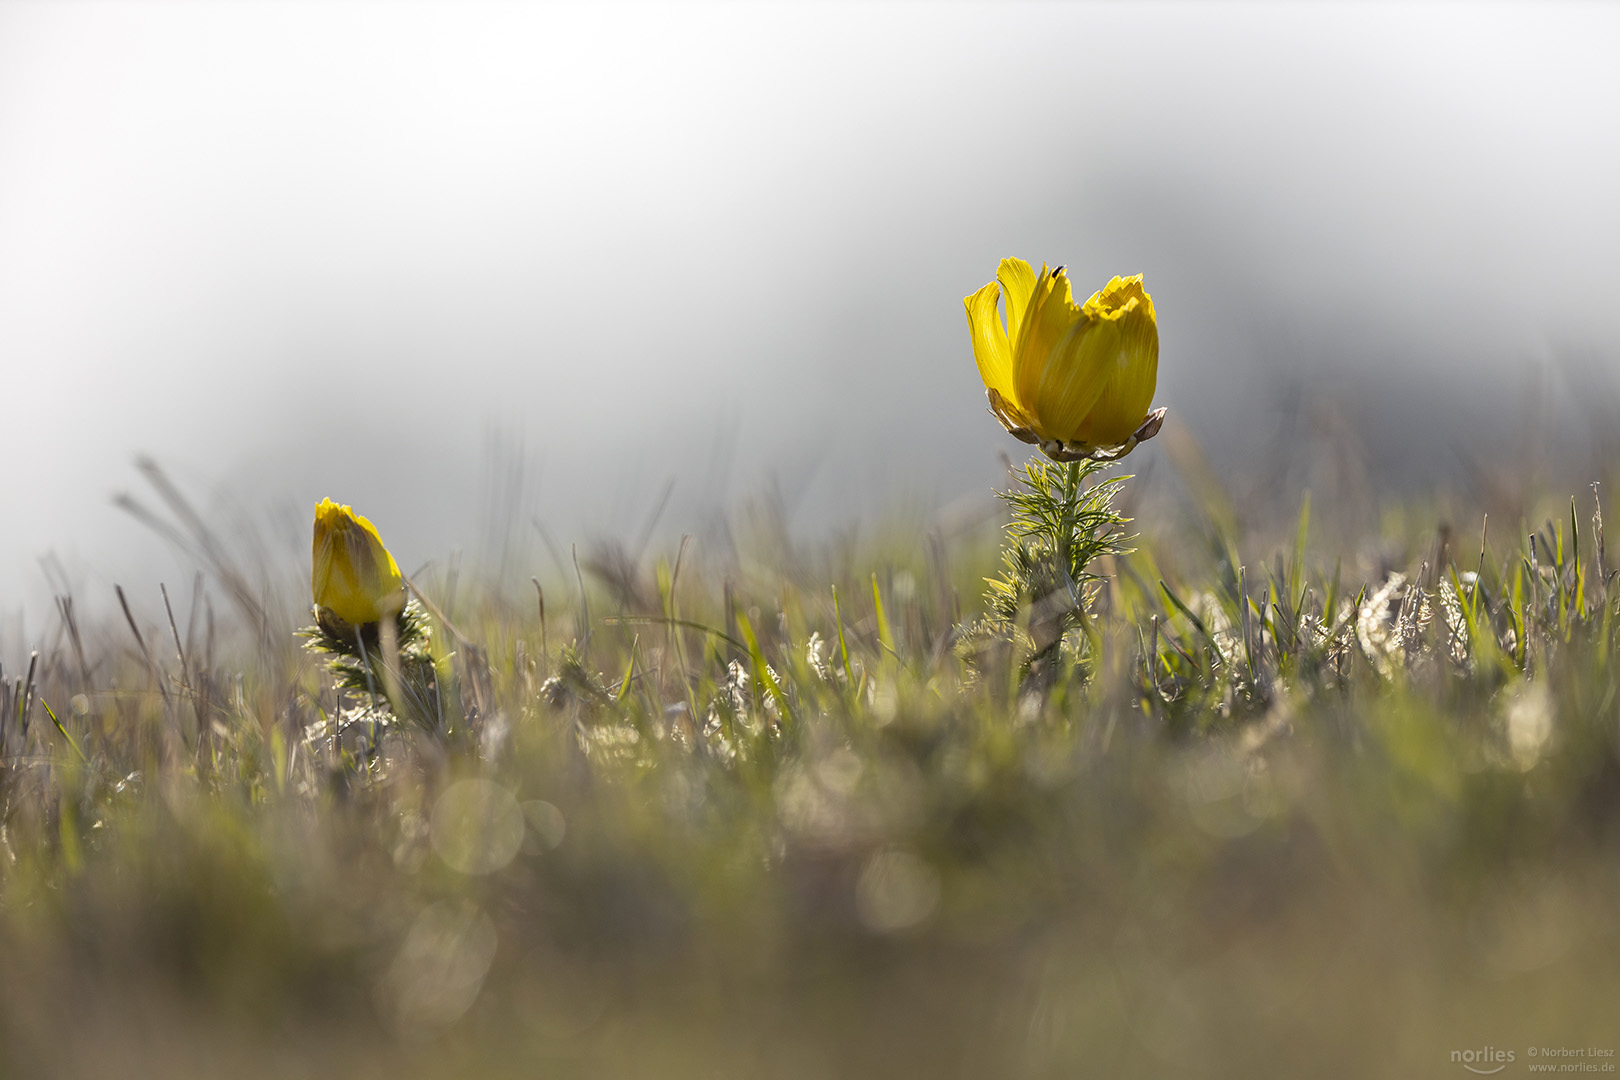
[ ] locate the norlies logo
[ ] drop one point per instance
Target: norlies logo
(1484, 1061)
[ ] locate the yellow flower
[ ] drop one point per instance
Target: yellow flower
(1075, 379)
(353, 576)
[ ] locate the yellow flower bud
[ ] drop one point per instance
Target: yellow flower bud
(1075, 379)
(353, 576)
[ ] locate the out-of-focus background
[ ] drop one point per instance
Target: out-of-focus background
(546, 263)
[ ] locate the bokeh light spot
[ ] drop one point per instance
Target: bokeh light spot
(547, 822)
(897, 890)
(477, 826)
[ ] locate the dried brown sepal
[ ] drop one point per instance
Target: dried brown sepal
(1012, 419)
(1018, 426)
(1062, 451)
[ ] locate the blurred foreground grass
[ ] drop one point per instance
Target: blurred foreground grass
(1331, 803)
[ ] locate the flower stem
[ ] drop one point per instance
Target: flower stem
(1059, 527)
(1065, 536)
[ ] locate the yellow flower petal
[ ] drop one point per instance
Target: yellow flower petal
(1018, 286)
(1126, 361)
(1052, 312)
(1114, 298)
(351, 573)
(990, 349)
(1071, 381)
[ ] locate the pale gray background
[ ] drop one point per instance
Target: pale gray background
(297, 250)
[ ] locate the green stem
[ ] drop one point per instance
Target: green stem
(1065, 537)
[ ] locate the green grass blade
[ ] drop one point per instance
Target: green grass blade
(1187, 611)
(885, 633)
(71, 741)
(843, 646)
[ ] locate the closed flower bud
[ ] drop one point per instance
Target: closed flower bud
(1075, 379)
(353, 576)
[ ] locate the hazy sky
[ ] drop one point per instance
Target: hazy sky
(298, 250)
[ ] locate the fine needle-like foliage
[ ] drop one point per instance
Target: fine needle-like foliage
(1063, 520)
(388, 662)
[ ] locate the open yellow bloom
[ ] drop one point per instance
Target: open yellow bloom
(1075, 379)
(352, 575)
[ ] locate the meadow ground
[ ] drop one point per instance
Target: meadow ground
(1330, 794)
